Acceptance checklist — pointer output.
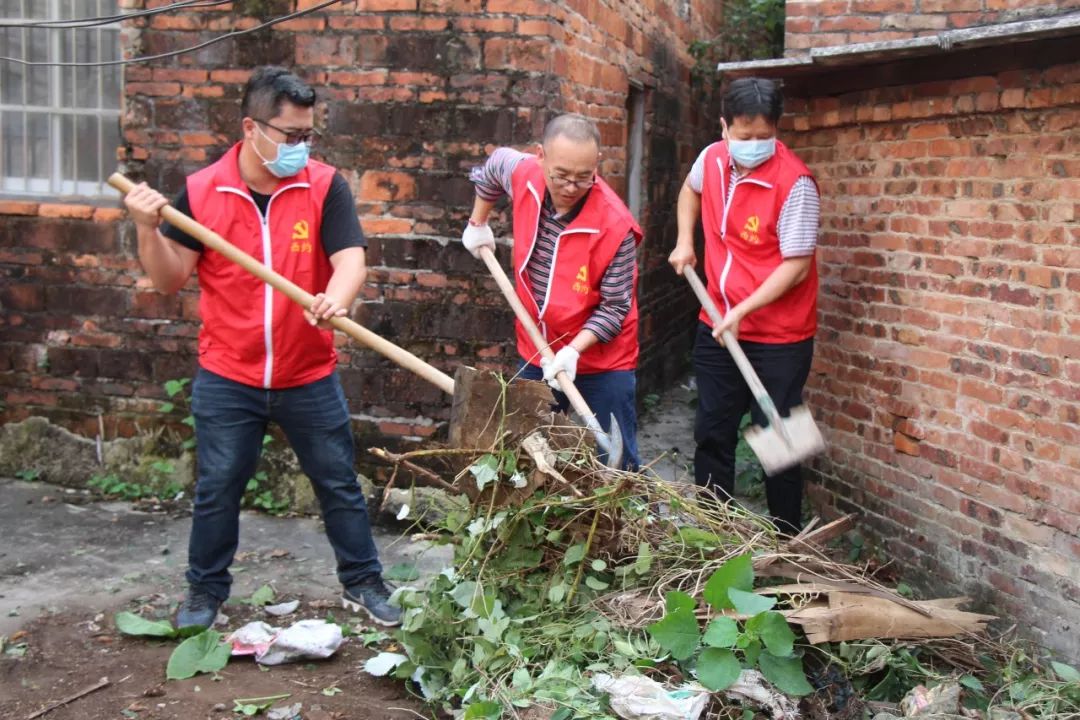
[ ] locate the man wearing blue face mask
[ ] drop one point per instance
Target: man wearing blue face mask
(262, 359)
(759, 207)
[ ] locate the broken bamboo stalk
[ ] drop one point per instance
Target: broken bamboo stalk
(821, 570)
(851, 616)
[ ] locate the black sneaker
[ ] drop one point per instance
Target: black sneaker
(373, 597)
(199, 609)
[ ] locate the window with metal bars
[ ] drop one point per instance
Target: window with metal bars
(59, 126)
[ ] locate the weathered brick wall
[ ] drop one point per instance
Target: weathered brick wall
(947, 370)
(413, 93)
(821, 23)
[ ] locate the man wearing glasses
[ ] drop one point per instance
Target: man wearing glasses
(261, 358)
(575, 268)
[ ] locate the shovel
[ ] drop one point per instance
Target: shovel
(786, 441)
(286, 287)
(610, 443)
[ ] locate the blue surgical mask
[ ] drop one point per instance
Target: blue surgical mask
(751, 153)
(290, 159)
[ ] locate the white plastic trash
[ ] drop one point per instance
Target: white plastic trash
(288, 712)
(285, 608)
(303, 640)
(636, 697)
(252, 639)
(751, 687)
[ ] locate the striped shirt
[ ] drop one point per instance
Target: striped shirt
(799, 216)
(493, 180)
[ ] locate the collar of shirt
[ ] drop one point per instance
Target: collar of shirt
(735, 174)
(569, 215)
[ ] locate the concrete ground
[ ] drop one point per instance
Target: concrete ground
(56, 555)
(666, 433)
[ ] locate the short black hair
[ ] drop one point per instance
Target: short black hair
(751, 97)
(573, 127)
(269, 87)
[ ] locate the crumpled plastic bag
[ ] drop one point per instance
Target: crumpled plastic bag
(635, 697)
(287, 712)
(303, 640)
(752, 687)
(943, 699)
(252, 639)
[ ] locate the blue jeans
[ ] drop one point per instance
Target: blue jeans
(230, 421)
(607, 393)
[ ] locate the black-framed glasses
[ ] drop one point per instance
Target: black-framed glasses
(295, 137)
(561, 182)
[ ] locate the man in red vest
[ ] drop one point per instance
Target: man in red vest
(759, 206)
(262, 359)
(574, 260)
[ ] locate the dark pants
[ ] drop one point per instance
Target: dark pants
(230, 421)
(723, 399)
(607, 393)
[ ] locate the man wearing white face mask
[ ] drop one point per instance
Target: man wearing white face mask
(262, 359)
(759, 207)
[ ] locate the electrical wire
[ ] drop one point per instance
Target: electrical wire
(181, 51)
(79, 23)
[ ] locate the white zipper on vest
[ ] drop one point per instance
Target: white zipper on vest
(522, 278)
(723, 226)
(268, 294)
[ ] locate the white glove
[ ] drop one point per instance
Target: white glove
(564, 360)
(476, 237)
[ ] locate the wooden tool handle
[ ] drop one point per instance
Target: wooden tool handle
(761, 395)
(565, 383)
(358, 332)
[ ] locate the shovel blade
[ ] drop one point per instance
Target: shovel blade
(800, 440)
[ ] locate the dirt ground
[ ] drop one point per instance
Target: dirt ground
(68, 564)
(71, 651)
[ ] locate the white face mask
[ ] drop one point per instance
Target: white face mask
(751, 153)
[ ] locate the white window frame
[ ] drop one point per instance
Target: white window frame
(56, 184)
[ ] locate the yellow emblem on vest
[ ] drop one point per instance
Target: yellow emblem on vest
(582, 281)
(750, 230)
(300, 230)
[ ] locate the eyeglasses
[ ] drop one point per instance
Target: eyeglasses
(295, 137)
(561, 182)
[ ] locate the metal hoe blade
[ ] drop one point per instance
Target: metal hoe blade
(610, 443)
(779, 448)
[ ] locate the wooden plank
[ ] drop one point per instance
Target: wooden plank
(822, 535)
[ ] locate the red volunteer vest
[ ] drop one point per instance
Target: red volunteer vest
(582, 254)
(251, 333)
(742, 247)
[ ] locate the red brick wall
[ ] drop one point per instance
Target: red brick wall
(947, 369)
(413, 93)
(821, 23)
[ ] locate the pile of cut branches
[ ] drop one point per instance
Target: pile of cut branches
(565, 571)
